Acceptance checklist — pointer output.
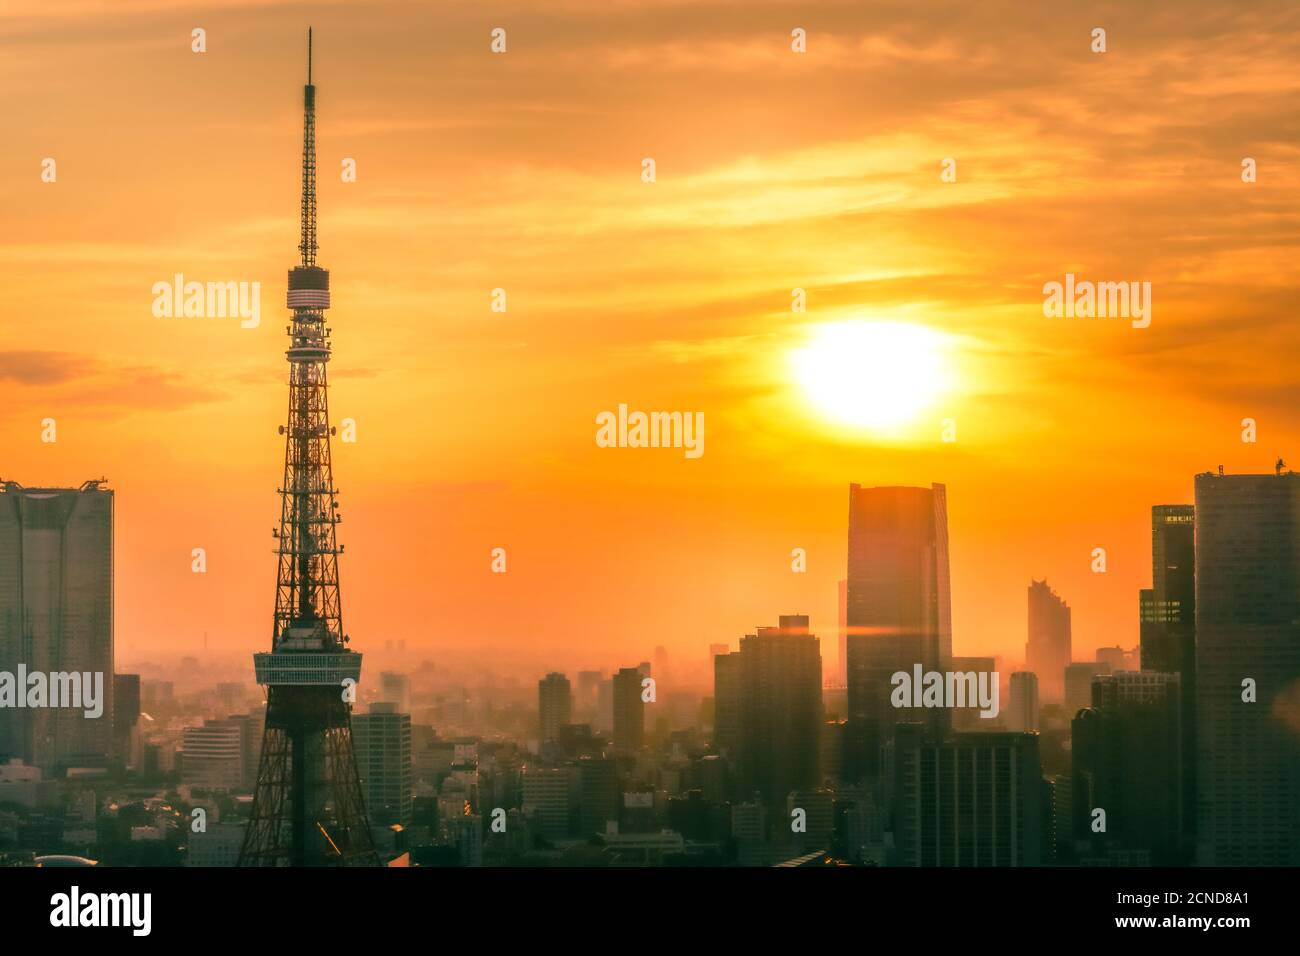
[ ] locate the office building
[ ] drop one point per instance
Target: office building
(1048, 650)
(550, 799)
(382, 738)
(56, 616)
(629, 709)
(1168, 613)
(780, 707)
(728, 702)
(1247, 667)
(1167, 626)
(898, 609)
(599, 795)
(968, 800)
(212, 756)
(1127, 759)
(554, 704)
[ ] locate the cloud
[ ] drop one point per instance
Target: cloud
(41, 368)
(99, 385)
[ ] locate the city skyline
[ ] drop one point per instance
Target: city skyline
(736, 435)
(1138, 768)
(810, 186)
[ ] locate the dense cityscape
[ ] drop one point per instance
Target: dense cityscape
(777, 747)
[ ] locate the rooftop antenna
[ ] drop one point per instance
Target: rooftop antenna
(307, 247)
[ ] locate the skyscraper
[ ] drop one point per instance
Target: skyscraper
(1168, 624)
(56, 615)
(1248, 669)
(728, 704)
(1047, 653)
(554, 704)
(780, 710)
(969, 800)
(842, 594)
(1127, 759)
(383, 744)
(898, 607)
(629, 710)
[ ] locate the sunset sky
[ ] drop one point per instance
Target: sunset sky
(775, 171)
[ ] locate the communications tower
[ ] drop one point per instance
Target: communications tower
(308, 808)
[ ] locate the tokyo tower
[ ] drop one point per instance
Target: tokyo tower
(308, 808)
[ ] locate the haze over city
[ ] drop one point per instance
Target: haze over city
(475, 429)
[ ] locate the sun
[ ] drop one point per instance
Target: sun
(876, 376)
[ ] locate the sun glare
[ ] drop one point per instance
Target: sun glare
(877, 376)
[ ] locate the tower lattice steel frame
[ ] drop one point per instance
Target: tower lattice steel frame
(308, 808)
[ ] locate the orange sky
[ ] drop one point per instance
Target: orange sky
(522, 171)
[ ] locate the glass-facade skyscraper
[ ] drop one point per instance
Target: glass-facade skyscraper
(56, 615)
(898, 609)
(1248, 669)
